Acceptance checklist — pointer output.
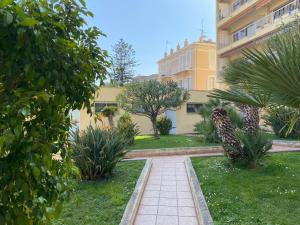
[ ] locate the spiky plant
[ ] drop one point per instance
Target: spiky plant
(96, 152)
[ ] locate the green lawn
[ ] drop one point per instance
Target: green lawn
(102, 202)
(269, 195)
(170, 141)
(272, 136)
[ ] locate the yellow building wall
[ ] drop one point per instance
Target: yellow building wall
(108, 95)
(185, 121)
(205, 66)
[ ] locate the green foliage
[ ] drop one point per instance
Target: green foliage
(127, 128)
(102, 201)
(109, 111)
(279, 118)
(206, 128)
(49, 60)
(152, 98)
(269, 76)
(254, 147)
(164, 125)
(268, 195)
(123, 62)
(96, 152)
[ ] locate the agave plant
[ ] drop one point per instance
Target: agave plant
(96, 152)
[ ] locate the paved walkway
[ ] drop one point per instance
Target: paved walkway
(167, 199)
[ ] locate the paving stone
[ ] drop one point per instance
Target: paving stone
(188, 221)
(185, 202)
(186, 211)
(168, 202)
(148, 210)
(167, 220)
(167, 211)
(150, 201)
(145, 220)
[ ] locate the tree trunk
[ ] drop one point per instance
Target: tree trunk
(111, 121)
(251, 118)
(155, 130)
(225, 130)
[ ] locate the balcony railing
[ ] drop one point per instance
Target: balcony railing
(251, 30)
(226, 12)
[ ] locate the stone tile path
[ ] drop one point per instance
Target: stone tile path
(167, 199)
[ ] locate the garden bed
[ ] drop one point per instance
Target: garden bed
(102, 202)
(170, 141)
(268, 195)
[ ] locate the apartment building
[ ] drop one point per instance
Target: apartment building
(249, 23)
(192, 66)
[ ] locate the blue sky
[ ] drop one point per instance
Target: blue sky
(148, 24)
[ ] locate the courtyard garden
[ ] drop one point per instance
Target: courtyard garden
(270, 194)
(52, 175)
(102, 201)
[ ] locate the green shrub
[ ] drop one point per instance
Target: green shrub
(96, 152)
(164, 125)
(279, 119)
(49, 61)
(207, 131)
(254, 147)
(127, 128)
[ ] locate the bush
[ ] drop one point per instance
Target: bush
(207, 131)
(279, 119)
(96, 152)
(164, 125)
(254, 147)
(49, 61)
(127, 128)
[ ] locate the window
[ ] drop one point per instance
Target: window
(211, 83)
(287, 9)
(245, 32)
(99, 106)
(193, 107)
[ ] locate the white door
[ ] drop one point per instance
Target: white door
(171, 114)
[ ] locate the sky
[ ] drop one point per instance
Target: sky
(149, 24)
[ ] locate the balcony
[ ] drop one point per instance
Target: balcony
(233, 9)
(260, 27)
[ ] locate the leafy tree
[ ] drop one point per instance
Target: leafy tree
(49, 61)
(151, 99)
(123, 62)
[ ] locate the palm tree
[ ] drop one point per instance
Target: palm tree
(267, 77)
(109, 112)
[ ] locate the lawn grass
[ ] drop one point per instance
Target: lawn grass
(170, 141)
(272, 136)
(102, 202)
(269, 195)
